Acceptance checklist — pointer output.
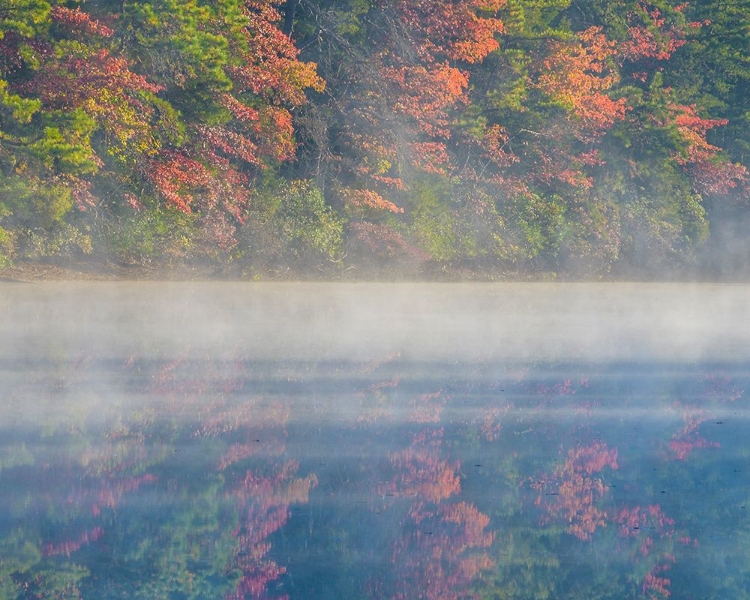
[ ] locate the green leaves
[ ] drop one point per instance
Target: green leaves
(65, 147)
(25, 17)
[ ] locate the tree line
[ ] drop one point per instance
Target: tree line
(584, 137)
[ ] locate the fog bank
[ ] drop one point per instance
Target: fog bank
(422, 322)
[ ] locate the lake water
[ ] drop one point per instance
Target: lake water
(492, 441)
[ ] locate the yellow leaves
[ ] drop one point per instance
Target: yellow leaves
(305, 75)
(126, 129)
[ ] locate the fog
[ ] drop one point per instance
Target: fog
(422, 322)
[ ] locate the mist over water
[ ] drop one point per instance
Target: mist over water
(203, 440)
(424, 322)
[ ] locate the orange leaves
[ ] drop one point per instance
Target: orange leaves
(426, 408)
(430, 157)
(275, 133)
(656, 586)
(270, 66)
(420, 79)
(369, 199)
(642, 43)
(652, 38)
(652, 533)
(230, 143)
(424, 93)
(688, 438)
(577, 74)
(634, 521)
(444, 563)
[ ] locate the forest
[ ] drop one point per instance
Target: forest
(378, 138)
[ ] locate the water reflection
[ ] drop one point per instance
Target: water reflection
(191, 475)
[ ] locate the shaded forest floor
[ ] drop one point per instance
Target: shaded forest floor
(24, 271)
(106, 270)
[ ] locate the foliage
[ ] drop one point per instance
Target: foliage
(591, 137)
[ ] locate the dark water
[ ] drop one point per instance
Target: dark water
(374, 441)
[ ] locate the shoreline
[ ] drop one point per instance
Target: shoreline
(37, 271)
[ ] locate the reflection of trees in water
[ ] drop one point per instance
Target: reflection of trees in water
(421, 472)
(629, 533)
(442, 547)
(571, 493)
(172, 495)
(188, 489)
(717, 391)
(264, 509)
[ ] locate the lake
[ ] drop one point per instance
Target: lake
(399, 441)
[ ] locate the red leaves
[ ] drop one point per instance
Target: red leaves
(264, 506)
(230, 144)
(633, 521)
(650, 529)
(104, 87)
(426, 408)
(688, 438)
(72, 81)
(79, 22)
(655, 585)
(454, 30)
(241, 111)
(263, 496)
(174, 175)
(711, 174)
(385, 242)
(494, 144)
(418, 84)
(443, 556)
(213, 191)
(440, 555)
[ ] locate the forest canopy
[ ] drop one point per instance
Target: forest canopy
(327, 137)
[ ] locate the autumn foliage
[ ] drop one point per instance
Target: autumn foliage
(174, 130)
